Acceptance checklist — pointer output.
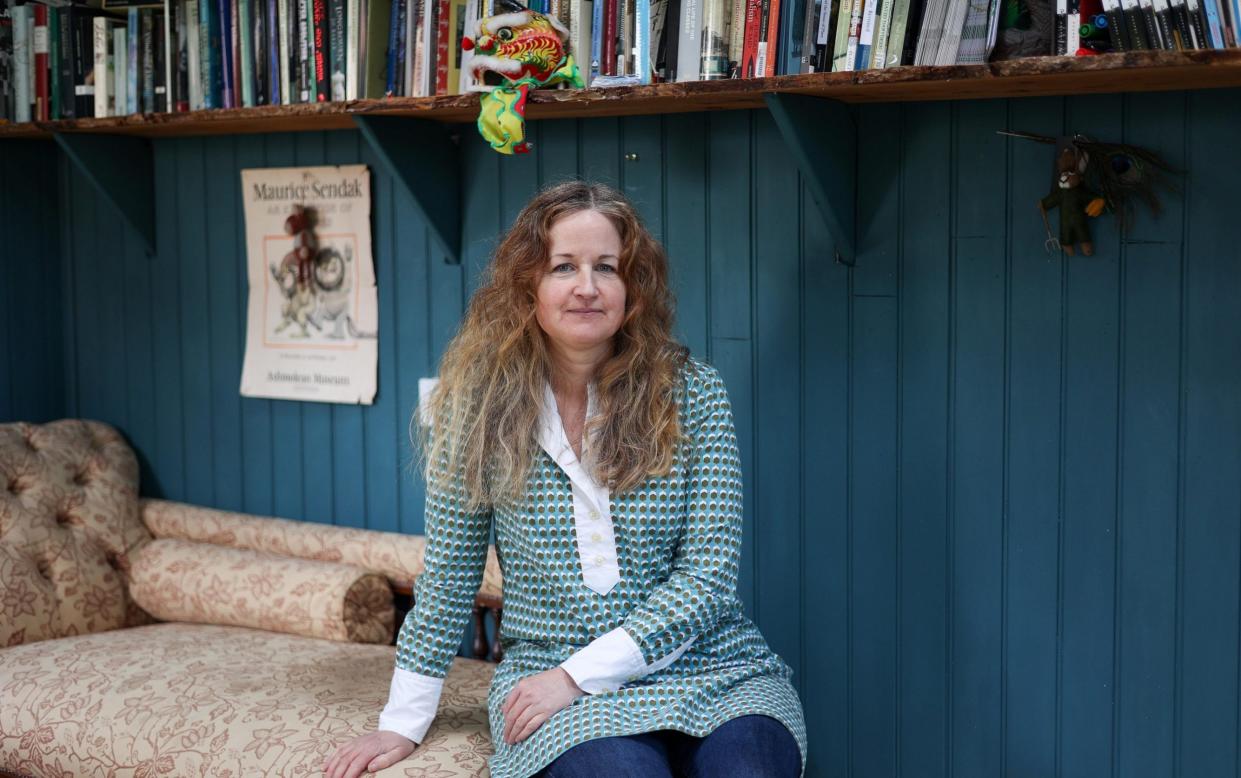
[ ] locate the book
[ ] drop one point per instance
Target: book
(896, 34)
(1167, 26)
(1135, 27)
(53, 59)
(1116, 30)
(772, 36)
(866, 34)
(840, 46)
(1074, 27)
(272, 63)
(320, 50)
(611, 32)
(336, 49)
(352, 20)
(83, 64)
(40, 51)
(883, 28)
(376, 54)
(65, 33)
(104, 99)
(160, 68)
(120, 68)
(22, 18)
(643, 64)
(1151, 24)
(595, 68)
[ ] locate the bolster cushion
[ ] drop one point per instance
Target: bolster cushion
(178, 580)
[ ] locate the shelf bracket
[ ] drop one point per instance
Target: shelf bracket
(822, 136)
(421, 154)
(122, 169)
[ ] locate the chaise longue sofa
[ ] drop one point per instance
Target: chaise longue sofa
(152, 638)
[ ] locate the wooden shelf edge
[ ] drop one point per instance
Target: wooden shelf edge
(1135, 71)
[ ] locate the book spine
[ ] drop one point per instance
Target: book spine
(624, 35)
(245, 19)
(415, 31)
(167, 44)
(258, 32)
(896, 35)
(83, 66)
(1197, 27)
(1074, 29)
(352, 45)
(642, 42)
(65, 32)
(321, 51)
(447, 45)
(53, 58)
(224, 14)
(1060, 34)
(399, 48)
(271, 30)
(101, 44)
(161, 65)
(596, 41)
(1151, 24)
(772, 38)
(22, 98)
(611, 24)
(181, 66)
(41, 51)
(883, 28)
(749, 51)
(390, 77)
(283, 46)
(120, 68)
(1135, 28)
(194, 84)
(1213, 27)
(1167, 27)
(840, 44)
(855, 32)
(206, 40)
(1116, 30)
(336, 28)
(866, 35)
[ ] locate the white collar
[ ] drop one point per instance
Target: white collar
(552, 438)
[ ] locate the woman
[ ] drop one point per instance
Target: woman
(605, 458)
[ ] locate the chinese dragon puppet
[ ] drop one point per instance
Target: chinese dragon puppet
(510, 53)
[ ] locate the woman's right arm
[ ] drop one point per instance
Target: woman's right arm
(456, 555)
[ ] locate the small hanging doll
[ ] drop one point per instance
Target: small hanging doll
(1093, 176)
(512, 52)
(1077, 202)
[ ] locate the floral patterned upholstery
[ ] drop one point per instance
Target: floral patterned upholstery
(218, 701)
(178, 580)
(68, 518)
(395, 555)
(80, 696)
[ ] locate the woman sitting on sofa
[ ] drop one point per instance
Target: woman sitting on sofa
(569, 419)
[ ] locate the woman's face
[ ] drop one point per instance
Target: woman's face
(581, 297)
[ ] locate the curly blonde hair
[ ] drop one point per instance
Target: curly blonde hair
(486, 407)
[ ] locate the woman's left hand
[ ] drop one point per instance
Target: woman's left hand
(536, 699)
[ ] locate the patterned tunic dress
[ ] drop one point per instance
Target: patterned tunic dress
(677, 543)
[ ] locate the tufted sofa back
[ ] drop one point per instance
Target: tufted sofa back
(68, 517)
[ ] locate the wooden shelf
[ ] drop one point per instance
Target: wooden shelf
(1141, 71)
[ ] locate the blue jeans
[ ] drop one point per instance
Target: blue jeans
(745, 747)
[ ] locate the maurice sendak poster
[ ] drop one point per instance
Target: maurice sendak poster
(313, 317)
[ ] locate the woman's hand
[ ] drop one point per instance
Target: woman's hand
(536, 699)
(369, 753)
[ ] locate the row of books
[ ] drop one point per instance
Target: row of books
(67, 59)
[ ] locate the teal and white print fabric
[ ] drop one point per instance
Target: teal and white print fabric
(677, 548)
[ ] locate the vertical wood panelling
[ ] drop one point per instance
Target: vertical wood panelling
(223, 282)
(1088, 459)
(31, 351)
(977, 435)
(1032, 448)
(1149, 417)
(199, 336)
(729, 239)
(255, 456)
(777, 349)
(685, 227)
(1210, 445)
(991, 515)
(923, 407)
(873, 451)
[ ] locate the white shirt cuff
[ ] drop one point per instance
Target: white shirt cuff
(413, 700)
(611, 661)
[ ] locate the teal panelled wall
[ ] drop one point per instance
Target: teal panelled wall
(992, 507)
(31, 358)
